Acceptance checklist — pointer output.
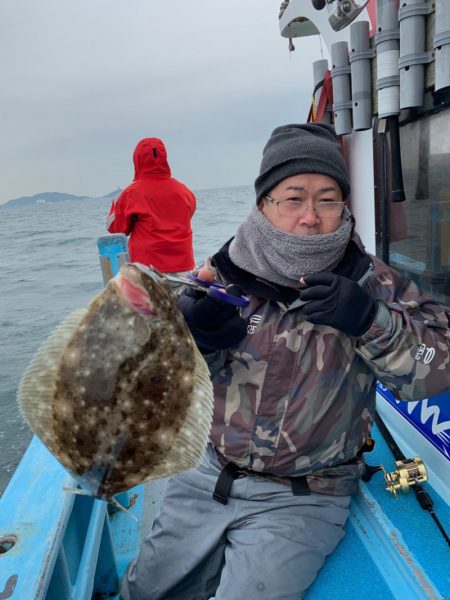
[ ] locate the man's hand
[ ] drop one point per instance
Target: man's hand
(214, 325)
(339, 302)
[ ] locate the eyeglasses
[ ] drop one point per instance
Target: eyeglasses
(325, 209)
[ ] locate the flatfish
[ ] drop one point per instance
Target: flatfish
(119, 392)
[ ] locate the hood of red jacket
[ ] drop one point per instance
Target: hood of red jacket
(150, 158)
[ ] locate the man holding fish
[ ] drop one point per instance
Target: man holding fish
(294, 375)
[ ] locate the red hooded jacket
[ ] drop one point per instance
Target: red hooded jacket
(155, 211)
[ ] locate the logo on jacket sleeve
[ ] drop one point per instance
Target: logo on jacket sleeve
(425, 354)
(255, 320)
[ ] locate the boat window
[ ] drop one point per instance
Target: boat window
(419, 236)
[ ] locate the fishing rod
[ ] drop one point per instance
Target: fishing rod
(422, 495)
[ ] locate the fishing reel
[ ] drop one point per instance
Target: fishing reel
(410, 472)
(341, 12)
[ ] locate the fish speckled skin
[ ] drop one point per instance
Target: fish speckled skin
(120, 393)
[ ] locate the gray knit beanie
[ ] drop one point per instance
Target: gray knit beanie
(307, 148)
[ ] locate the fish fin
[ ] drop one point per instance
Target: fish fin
(113, 501)
(36, 390)
(78, 492)
(117, 504)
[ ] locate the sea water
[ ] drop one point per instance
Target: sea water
(50, 266)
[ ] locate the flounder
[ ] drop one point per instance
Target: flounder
(119, 392)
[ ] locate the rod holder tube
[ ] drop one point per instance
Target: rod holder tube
(441, 44)
(361, 75)
(320, 67)
(412, 17)
(388, 52)
(342, 97)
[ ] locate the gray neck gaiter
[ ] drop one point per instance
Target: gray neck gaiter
(280, 257)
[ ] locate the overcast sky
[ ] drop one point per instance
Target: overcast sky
(82, 81)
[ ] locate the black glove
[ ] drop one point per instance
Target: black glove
(214, 325)
(339, 302)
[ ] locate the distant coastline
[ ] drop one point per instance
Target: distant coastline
(58, 197)
(53, 198)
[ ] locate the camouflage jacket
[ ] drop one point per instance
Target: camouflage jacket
(298, 399)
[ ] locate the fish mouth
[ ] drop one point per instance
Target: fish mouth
(151, 272)
(128, 283)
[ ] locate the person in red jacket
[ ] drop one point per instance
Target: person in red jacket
(155, 211)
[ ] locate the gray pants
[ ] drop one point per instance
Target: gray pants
(265, 543)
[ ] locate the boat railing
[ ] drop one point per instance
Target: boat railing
(54, 544)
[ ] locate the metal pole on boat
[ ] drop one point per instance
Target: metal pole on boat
(342, 98)
(441, 45)
(413, 57)
(387, 42)
(361, 79)
(388, 50)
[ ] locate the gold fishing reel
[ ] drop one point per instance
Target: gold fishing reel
(409, 472)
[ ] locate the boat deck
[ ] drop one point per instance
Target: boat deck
(393, 548)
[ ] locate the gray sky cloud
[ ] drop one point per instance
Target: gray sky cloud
(84, 80)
